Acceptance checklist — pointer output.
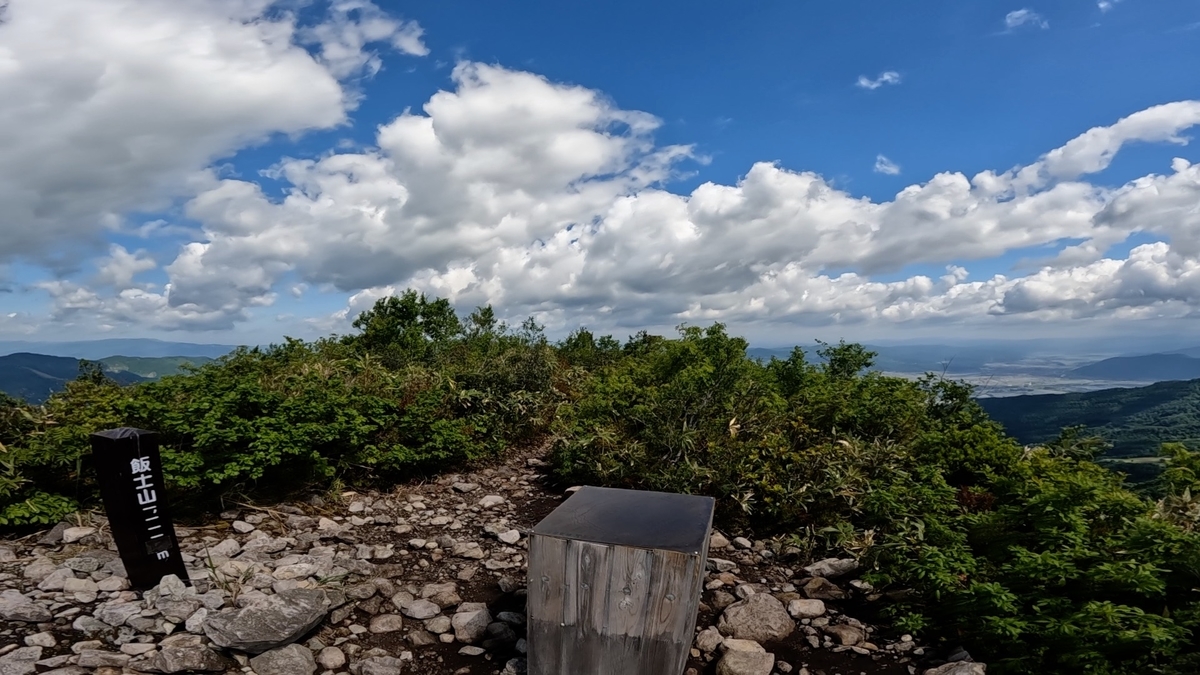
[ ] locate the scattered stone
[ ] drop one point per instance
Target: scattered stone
(760, 617)
(747, 659)
(385, 623)
(268, 622)
(74, 534)
(46, 640)
(709, 639)
(472, 651)
(509, 536)
(20, 661)
(491, 501)
(331, 658)
(290, 660)
(832, 568)
(845, 635)
(242, 527)
(420, 609)
(466, 487)
(820, 588)
(717, 540)
(138, 648)
(470, 622)
(98, 658)
(378, 665)
(806, 609)
(17, 607)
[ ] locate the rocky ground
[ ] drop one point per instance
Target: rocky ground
(426, 579)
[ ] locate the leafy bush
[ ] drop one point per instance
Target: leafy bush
(1038, 559)
(415, 391)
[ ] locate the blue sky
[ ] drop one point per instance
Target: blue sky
(872, 98)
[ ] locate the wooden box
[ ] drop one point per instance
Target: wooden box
(615, 578)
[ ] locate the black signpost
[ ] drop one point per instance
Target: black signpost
(131, 483)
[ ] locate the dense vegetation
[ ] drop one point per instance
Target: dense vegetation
(1135, 421)
(1037, 560)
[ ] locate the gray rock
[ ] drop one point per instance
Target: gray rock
(20, 661)
(183, 653)
(56, 580)
(438, 625)
(378, 665)
(46, 640)
(468, 549)
(290, 660)
(74, 534)
(68, 670)
(16, 607)
(509, 536)
(420, 609)
(89, 626)
(471, 624)
(760, 617)
(709, 639)
(466, 487)
(737, 662)
(331, 658)
(491, 501)
(99, 658)
(959, 668)
(820, 588)
(847, 636)
(116, 613)
(386, 623)
(806, 609)
(832, 568)
(195, 622)
(515, 667)
(54, 536)
(39, 569)
(472, 651)
(268, 622)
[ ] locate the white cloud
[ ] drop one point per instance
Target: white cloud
(111, 106)
(354, 24)
(1021, 17)
(508, 188)
(553, 212)
(887, 77)
(886, 166)
(122, 266)
(1106, 5)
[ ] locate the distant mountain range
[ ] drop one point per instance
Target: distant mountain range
(34, 377)
(94, 350)
(1147, 368)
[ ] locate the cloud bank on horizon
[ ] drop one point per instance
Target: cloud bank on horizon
(510, 188)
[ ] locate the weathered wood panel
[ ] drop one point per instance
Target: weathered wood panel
(607, 608)
(547, 579)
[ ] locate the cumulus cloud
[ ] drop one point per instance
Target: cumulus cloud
(1021, 17)
(545, 199)
(886, 166)
(110, 107)
(887, 77)
(1106, 5)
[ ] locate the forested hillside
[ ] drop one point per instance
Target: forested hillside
(1036, 560)
(1147, 368)
(1135, 421)
(34, 377)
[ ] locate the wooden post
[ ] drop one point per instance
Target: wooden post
(130, 474)
(615, 578)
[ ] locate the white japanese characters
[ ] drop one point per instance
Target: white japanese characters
(148, 499)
